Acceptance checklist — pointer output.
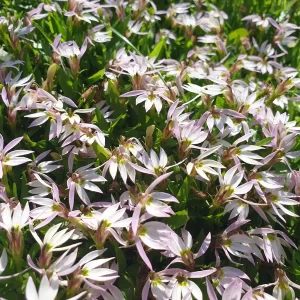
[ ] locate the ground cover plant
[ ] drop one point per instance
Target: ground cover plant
(149, 150)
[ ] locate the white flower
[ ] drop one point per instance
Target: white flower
(181, 288)
(107, 222)
(47, 290)
(157, 165)
(82, 179)
(53, 239)
(73, 117)
(271, 243)
(89, 269)
(151, 98)
(12, 158)
(121, 161)
(14, 219)
(205, 165)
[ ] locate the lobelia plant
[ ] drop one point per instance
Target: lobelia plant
(149, 150)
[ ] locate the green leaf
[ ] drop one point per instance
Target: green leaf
(178, 220)
(157, 49)
(281, 168)
(28, 66)
(61, 28)
(116, 121)
(27, 140)
(96, 77)
(65, 83)
(15, 191)
(101, 153)
(127, 286)
(121, 259)
(46, 36)
(113, 98)
(265, 141)
(42, 145)
(220, 102)
(183, 193)
(24, 188)
(100, 121)
(238, 33)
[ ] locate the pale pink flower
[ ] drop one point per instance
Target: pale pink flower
(151, 98)
(180, 248)
(44, 167)
(82, 179)
(238, 209)
(157, 282)
(188, 137)
(49, 114)
(237, 244)
(121, 161)
(73, 117)
(244, 152)
(54, 238)
(203, 166)
(258, 20)
(230, 185)
(16, 219)
(63, 266)
(150, 234)
(278, 200)
(71, 51)
(48, 208)
(157, 165)
(108, 222)
(222, 278)
(3, 261)
(271, 243)
(284, 286)
(152, 202)
(219, 117)
(47, 290)
(90, 270)
(181, 287)
(12, 158)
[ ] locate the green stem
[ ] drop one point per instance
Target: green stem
(18, 262)
(5, 181)
(271, 99)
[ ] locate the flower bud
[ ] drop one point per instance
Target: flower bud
(45, 257)
(15, 237)
(49, 82)
(149, 134)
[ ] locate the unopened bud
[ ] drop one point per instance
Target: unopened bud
(206, 100)
(89, 92)
(49, 83)
(45, 257)
(149, 136)
(15, 237)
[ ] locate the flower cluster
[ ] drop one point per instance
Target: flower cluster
(148, 151)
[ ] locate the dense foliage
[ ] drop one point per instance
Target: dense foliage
(149, 150)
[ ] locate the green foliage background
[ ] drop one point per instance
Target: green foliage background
(134, 121)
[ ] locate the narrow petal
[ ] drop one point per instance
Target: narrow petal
(3, 261)
(12, 144)
(156, 182)
(142, 253)
(31, 292)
